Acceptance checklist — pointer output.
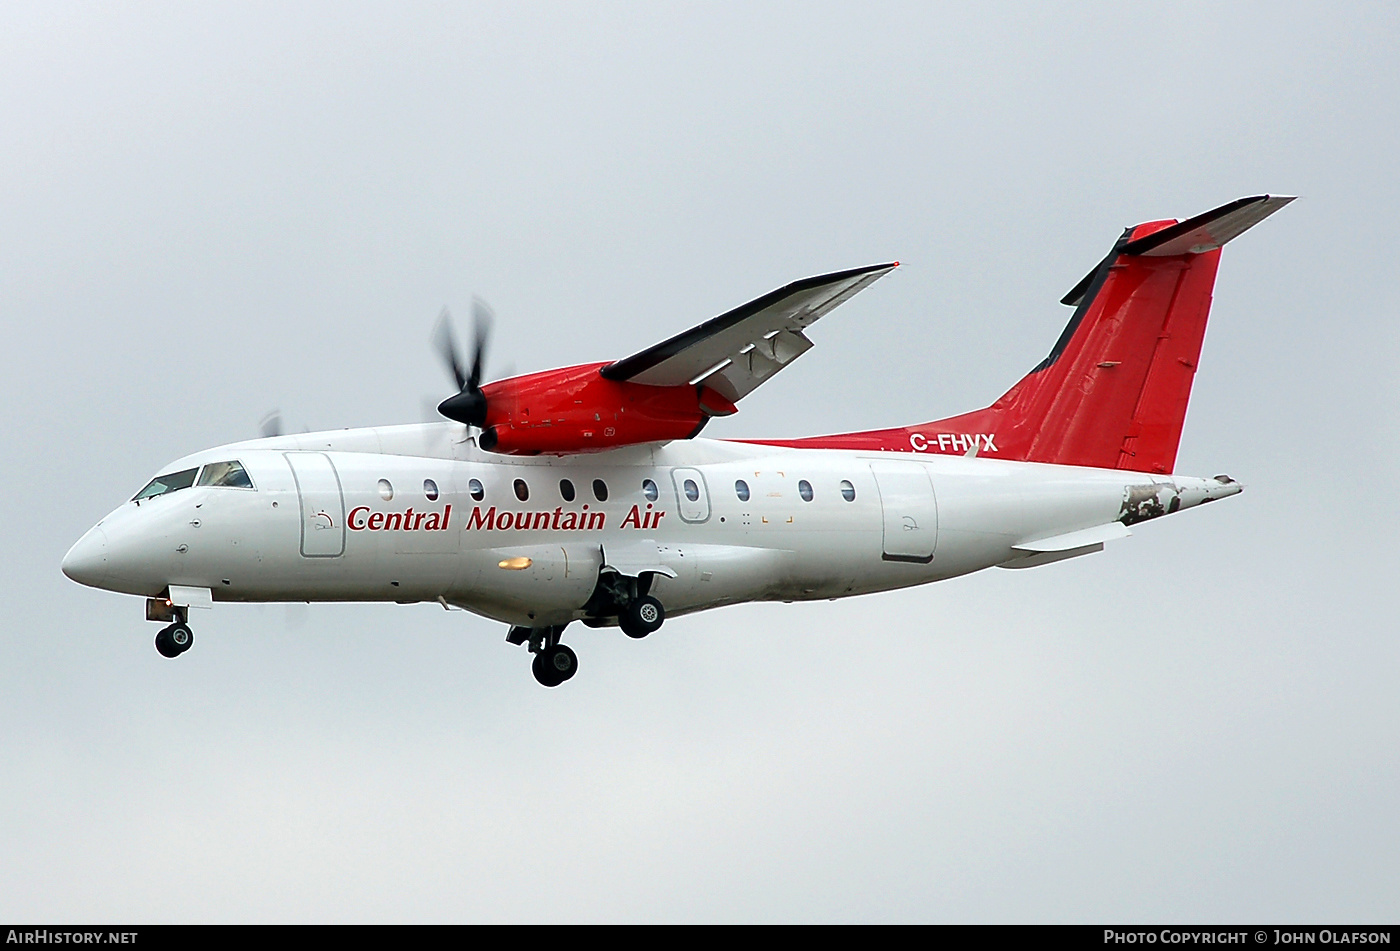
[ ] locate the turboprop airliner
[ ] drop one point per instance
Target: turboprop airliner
(586, 493)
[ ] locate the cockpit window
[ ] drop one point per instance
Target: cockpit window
(231, 474)
(170, 482)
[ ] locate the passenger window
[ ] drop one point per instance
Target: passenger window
(804, 489)
(566, 489)
(848, 491)
(170, 482)
(522, 491)
(741, 489)
(230, 474)
(649, 490)
(692, 491)
(386, 491)
(475, 490)
(430, 489)
(600, 490)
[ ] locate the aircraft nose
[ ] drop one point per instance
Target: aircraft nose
(86, 561)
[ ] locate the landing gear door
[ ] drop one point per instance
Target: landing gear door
(322, 504)
(910, 511)
(694, 500)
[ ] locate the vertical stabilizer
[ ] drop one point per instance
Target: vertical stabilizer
(1113, 391)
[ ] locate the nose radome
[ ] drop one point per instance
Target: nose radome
(86, 561)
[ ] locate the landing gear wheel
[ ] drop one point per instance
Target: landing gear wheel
(181, 636)
(554, 665)
(642, 617)
(174, 640)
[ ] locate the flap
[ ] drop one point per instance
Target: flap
(735, 352)
(1080, 539)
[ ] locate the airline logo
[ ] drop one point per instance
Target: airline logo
(559, 520)
(362, 519)
(953, 442)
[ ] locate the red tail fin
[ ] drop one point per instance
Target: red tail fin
(1113, 391)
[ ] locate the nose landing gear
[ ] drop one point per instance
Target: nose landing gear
(174, 640)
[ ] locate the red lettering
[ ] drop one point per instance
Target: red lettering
(413, 521)
(596, 519)
(476, 521)
(505, 519)
(634, 519)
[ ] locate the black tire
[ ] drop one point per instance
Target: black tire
(164, 646)
(554, 665)
(642, 617)
(181, 637)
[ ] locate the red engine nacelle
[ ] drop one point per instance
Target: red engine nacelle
(575, 409)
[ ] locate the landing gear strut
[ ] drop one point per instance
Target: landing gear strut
(554, 662)
(174, 640)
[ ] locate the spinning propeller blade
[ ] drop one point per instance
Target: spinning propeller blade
(468, 405)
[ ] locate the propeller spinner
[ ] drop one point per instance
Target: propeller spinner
(468, 405)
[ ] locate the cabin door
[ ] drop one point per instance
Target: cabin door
(322, 504)
(910, 511)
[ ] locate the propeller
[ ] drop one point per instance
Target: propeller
(271, 424)
(468, 405)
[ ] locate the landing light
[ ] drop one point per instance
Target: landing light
(514, 564)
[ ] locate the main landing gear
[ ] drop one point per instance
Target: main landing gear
(642, 617)
(616, 596)
(554, 662)
(174, 640)
(627, 599)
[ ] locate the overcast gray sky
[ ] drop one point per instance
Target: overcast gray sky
(210, 211)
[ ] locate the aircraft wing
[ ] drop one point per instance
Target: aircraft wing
(735, 352)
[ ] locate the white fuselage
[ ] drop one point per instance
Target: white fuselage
(389, 514)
